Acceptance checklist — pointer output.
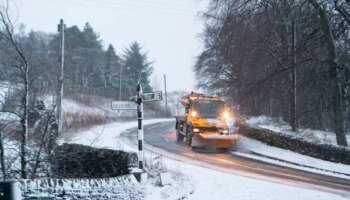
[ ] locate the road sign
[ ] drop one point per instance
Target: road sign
(154, 96)
(123, 105)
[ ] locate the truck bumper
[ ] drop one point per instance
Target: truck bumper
(214, 140)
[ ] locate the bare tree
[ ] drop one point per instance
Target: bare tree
(254, 50)
(334, 73)
(17, 59)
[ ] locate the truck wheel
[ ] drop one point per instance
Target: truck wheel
(233, 147)
(189, 137)
(179, 136)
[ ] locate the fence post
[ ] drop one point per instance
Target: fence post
(10, 190)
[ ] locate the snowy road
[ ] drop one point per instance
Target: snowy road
(160, 138)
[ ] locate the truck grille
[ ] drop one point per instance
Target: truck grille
(210, 129)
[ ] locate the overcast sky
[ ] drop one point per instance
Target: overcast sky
(168, 29)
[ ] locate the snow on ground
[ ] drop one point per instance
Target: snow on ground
(211, 184)
(7, 117)
(100, 106)
(83, 111)
(300, 161)
(6, 89)
(197, 182)
(107, 136)
(278, 125)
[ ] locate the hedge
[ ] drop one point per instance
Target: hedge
(79, 161)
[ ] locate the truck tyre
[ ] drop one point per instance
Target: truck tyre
(189, 136)
(179, 136)
(234, 146)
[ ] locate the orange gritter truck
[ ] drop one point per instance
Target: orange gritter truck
(205, 123)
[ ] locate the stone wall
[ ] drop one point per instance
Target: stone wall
(122, 188)
(327, 152)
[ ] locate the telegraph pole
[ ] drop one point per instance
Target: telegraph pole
(120, 82)
(61, 30)
(166, 97)
(294, 80)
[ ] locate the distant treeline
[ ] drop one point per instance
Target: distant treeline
(89, 65)
(30, 67)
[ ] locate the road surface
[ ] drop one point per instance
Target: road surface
(161, 139)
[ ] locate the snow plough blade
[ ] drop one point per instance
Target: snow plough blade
(220, 137)
(215, 141)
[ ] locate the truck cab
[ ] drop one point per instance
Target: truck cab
(204, 122)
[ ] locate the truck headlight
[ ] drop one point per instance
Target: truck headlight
(225, 131)
(196, 130)
(193, 113)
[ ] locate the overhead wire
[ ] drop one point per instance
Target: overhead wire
(124, 7)
(154, 4)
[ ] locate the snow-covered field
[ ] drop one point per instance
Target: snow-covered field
(196, 182)
(107, 136)
(83, 111)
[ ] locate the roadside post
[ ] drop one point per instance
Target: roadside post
(10, 190)
(140, 125)
(139, 99)
(136, 103)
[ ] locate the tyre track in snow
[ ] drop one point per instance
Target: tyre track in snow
(159, 139)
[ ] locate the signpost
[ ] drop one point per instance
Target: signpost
(154, 96)
(136, 103)
(123, 105)
(140, 125)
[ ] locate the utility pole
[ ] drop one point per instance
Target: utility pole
(61, 30)
(166, 96)
(120, 82)
(294, 80)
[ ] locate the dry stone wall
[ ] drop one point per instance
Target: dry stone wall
(327, 152)
(122, 188)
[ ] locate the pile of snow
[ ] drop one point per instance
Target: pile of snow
(280, 126)
(177, 185)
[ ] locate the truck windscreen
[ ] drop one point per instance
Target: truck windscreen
(209, 108)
